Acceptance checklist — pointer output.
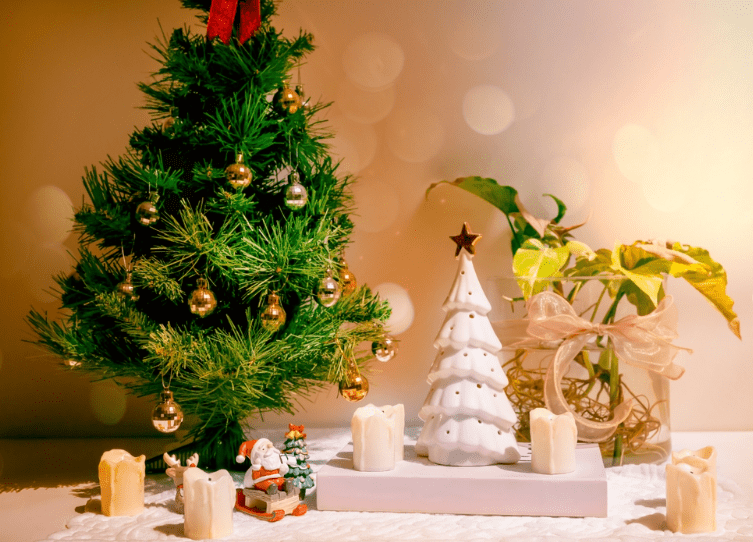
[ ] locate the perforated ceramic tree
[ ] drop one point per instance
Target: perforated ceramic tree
(467, 417)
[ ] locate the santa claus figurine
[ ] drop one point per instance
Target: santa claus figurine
(267, 467)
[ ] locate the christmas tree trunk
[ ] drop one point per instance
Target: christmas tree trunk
(210, 251)
(467, 416)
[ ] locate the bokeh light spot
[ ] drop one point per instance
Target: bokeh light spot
(373, 61)
(636, 151)
(377, 205)
(354, 143)
(108, 402)
(45, 261)
(488, 110)
(400, 302)
(414, 135)
(50, 214)
(364, 106)
(568, 180)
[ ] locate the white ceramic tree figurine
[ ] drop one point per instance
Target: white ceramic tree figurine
(467, 416)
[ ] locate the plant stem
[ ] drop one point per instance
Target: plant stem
(598, 302)
(591, 372)
(614, 399)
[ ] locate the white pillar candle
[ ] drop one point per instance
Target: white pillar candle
(705, 457)
(121, 480)
(397, 412)
(553, 440)
(691, 499)
(209, 501)
(373, 439)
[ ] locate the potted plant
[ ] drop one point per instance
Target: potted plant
(546, 257)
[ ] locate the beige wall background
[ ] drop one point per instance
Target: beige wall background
(637, 114)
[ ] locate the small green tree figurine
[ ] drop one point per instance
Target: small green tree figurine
(295, 445)
(210, 251)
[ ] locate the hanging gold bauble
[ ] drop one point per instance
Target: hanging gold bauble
(202, 300)
(167, 415)
(146, 212)
(347, 280)
(238, 174)
(305, 103)
(127, 290)
(287, 101)
(385, 348)
(168, 123)
(328, 291)
(354, 388)
(296, 195)
(273, 316)
(72, 363)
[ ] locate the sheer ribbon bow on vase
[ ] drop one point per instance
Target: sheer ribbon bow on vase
(643, 342)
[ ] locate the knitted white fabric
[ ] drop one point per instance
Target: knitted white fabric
(636, 513)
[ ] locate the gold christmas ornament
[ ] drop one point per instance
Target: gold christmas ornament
(146, 212)
(305, 103)
(385, 348)
(72, 363)
(328, 291)
(238, 174)
(127, 290)
(167, 415)
(168, 123)
(287, 101)
(273, 316)
(296, 195)
(354, 387)
(347, 279)
(202, 300)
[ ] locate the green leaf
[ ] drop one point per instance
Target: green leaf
(561, 208)
(600, 264)
(638, 298)
(502, 197)
(643, 269)
(580, 250)
(534, 261)
(711, 282)
(606, 358)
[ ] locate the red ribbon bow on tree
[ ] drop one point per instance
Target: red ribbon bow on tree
(222, 16)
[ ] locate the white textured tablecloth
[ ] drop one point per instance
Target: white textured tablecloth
(636, 512)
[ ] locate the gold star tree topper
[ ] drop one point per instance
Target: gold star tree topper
(466, 240)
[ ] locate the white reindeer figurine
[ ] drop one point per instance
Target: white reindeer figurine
(175, 471)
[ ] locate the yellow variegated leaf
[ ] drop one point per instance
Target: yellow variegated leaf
(646, 276)
(534, 261)
(581, 250)
(710, 280)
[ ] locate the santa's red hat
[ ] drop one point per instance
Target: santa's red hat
(249, 449)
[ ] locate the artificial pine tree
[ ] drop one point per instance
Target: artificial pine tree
(201, 271)
(295, 445)
(467, 416)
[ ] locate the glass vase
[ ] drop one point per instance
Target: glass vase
(596, 381)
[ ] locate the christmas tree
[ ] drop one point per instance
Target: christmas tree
(467, 417)
(295, 445)
(210, 251)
